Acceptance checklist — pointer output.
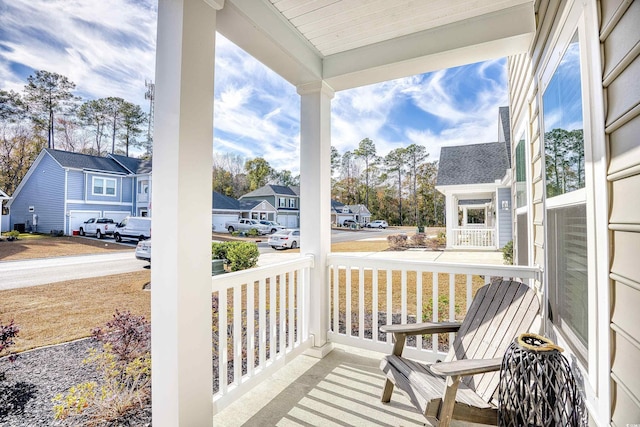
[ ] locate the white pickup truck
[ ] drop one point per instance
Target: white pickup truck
(98, 227)
(246, 224)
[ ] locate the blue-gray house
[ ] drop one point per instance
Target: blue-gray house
(61, 190)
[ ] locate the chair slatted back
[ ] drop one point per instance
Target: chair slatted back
(499, 312)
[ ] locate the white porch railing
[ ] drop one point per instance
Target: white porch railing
(261, 315)
(406, 291)
(260, 322)
(472, 237)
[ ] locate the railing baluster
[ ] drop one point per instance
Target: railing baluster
(262, 319)
(251, 330)
(403, 296)
(347, 320)
(452, 303)
(389, 315)
(374, 305)
(237, 334)
(283, 312)
(294, 316)
(419, 305)
(336, 299)
(361, 303)
(273, 327)
(469, 291)
(434, 309)
(222, 343)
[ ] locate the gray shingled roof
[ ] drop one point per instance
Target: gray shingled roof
(472, 164)
(222, 202)
(270, 190)
(86, 161)
(134, 165)
(506, 130)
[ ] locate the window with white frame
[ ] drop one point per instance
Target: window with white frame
(522, 209)
(103, 186)
(292, 203)
(566, 213)
(282, 202)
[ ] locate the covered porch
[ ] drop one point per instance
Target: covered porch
(282, 314)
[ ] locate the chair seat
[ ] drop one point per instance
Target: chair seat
(424, 388)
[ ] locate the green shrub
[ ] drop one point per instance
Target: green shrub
(219, 250)
(242, 255)
(253, 232)
(11, 235)
(507, 252)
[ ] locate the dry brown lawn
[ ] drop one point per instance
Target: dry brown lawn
(44, 246)
(64, 311)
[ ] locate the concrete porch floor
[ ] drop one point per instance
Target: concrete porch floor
(343, 389)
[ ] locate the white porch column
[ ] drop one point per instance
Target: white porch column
(181, 224)
(315, 199)
(465, 219)
(452, 217)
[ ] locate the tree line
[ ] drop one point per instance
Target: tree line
(398, 187)
(47, 113)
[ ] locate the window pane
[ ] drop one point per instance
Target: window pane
(521, 175)
(111, 187)
(567, 240)
(98, 186)
(562, 115)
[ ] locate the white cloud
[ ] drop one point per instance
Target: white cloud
(108, 49)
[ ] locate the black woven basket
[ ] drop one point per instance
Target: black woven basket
(537, 387)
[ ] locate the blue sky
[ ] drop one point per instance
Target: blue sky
(108, 49)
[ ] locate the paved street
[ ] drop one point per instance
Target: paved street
(19, 274)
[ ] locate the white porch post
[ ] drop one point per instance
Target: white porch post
(451, 218)
(182, 161)
(464, 217)
(315, 200)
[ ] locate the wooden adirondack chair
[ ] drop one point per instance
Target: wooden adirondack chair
(462, 387)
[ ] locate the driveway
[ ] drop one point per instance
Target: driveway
(34, 272)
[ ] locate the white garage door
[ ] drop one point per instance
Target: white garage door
(117, 216)
(218, 220)
(289, 221)
(76, 218)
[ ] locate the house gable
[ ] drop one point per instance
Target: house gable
(472, 164)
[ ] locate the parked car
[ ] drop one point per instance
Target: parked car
(246, 224)
(349, 223)
(133, 228)
(284, 239)
(143, 250)
(378, 223)
(273, 225)
(98, 227)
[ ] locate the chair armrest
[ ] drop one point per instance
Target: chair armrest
(421, 328)
(466, 367)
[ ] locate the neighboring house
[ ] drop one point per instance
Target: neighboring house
(341, 212)
(4, 211)
(141, 171)
(285, 199)
(476, 182)
(61, 190)
(225, 208)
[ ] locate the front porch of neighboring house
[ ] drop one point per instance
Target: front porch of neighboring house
(580, 245)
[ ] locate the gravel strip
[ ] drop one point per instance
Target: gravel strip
(37, 376)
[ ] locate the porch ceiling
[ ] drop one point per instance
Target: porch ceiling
(351, 43)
